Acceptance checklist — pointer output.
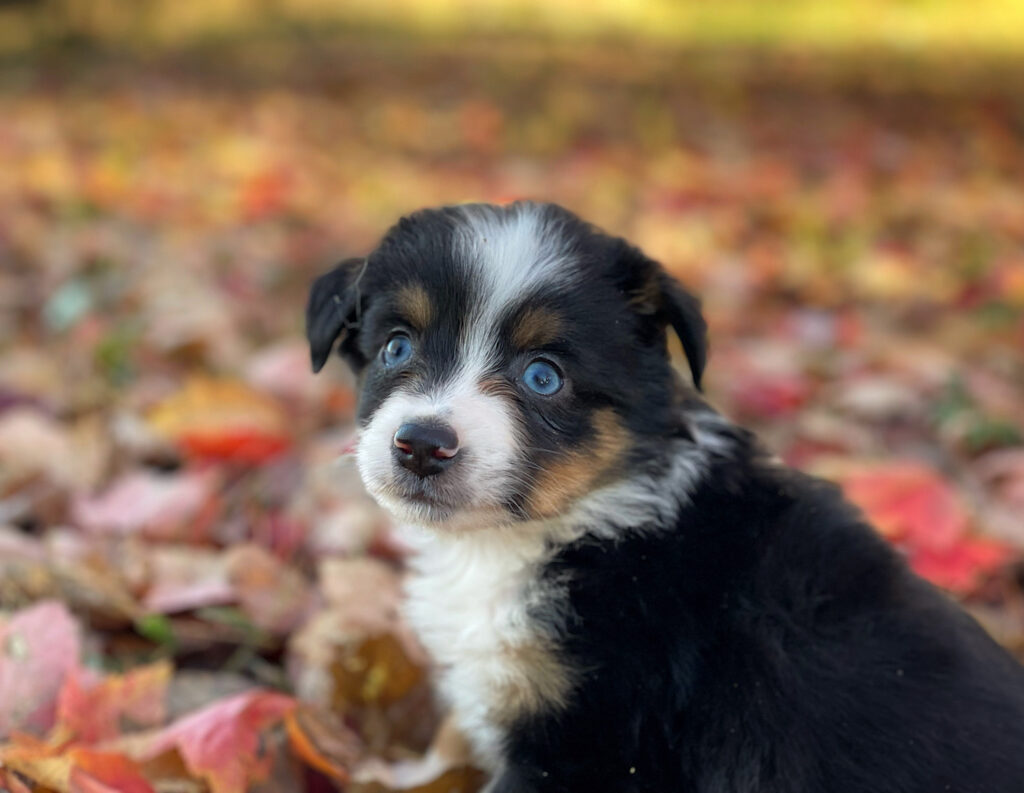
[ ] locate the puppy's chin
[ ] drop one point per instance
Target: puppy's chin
(459, 519)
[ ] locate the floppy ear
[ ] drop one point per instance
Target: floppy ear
(683, 313)
(334, 311)
(655, 293)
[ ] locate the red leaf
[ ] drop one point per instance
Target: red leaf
(963, 566)
(762, 393)
(238, 446)
(92, 711)
(219, 743)
(908, 503)
(914, 507)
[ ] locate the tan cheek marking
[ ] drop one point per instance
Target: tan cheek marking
(565, 481)
(536, 327)
(414, 304)
(539, 680)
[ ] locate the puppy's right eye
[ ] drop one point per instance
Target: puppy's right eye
(397, 350)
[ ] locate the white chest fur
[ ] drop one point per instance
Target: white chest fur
(468, 599)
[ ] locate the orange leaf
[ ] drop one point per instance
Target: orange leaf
(75, 769)
(40, 763)
(243, 445)
(220, 742)
(9, 782)
(92, 711)
(105, 772)
(322, 741)
(223, 419)
(264, 193)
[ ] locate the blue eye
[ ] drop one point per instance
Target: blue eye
(397, 350)
(542, 378)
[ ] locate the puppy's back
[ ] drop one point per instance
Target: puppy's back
(772, 641)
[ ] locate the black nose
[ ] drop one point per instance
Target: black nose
(426, 449)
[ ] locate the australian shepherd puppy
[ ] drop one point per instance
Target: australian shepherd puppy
(621, 590)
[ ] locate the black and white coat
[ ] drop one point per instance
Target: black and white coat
(620, 589)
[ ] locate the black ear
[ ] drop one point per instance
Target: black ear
(653, 292)
(333, 311)
(682, 311)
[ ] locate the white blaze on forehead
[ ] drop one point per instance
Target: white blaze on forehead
(510, 253)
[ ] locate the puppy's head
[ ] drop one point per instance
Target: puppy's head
(510, 361)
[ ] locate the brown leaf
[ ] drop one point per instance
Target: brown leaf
(376, 672)
(273, 595)
(322, 741)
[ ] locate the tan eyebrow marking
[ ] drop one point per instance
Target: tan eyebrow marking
(414, 304)
(536, 327)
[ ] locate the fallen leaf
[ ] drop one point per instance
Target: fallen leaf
(220, 742)
(322, 741)
(918, 510)
(393, 780)
(43, 764)
(961, 567)
(72, 768)
(445, 766)
(32, 443)
(223, 420)
(377, 671)
(363, 597)
(165, 506)
(275, 596)
(104, 772)
(184, 577)
(91, 710)
(908, 502)
(39, 646)
(9, 781)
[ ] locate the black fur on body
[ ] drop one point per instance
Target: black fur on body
(769, 642)
(662, 607)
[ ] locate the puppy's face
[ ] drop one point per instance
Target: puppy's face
(510, 360)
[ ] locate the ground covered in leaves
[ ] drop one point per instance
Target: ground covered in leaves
(194, 592)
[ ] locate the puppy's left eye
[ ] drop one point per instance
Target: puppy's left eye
(397, 350)
(542, 378)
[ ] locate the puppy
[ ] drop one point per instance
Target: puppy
(621, 590)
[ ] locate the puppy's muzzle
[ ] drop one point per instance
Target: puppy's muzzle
(425, 448)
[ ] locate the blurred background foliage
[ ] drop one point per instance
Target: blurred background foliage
(910, 25)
